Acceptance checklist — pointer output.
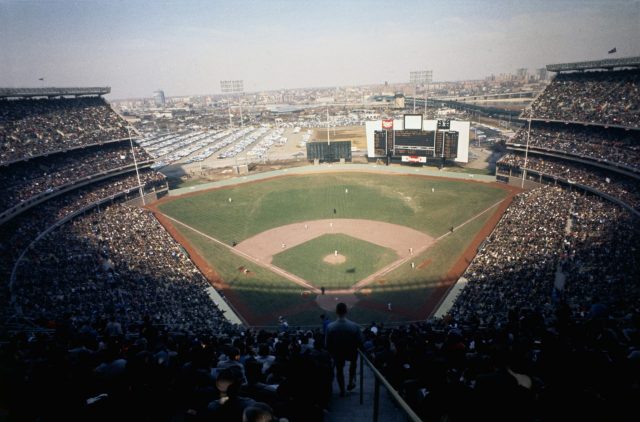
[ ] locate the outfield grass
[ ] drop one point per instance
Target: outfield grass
(399, 199)
(362, 259)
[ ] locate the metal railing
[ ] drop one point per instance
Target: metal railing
(379, 379)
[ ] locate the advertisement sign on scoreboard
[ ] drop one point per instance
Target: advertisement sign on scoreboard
(413, 159)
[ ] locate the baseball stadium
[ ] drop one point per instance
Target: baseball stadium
(465, 250)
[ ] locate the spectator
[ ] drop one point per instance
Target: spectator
(343, 339)
(231, 405)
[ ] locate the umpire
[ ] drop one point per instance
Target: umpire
(343, 339)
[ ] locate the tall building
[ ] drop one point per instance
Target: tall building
(542, 74)
(522, 73)
(158, 98)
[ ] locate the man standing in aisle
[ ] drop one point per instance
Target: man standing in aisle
(343, 339)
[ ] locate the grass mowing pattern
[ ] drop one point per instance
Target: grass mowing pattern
(362, 259)
(399, 199)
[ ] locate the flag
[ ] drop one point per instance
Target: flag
(613, 50)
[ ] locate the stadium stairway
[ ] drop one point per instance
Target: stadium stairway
(349, 409)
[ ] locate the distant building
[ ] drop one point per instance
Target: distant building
(542, 74)
(522, 73)
(399, 100)
(158, 98)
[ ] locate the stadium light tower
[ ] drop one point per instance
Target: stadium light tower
(419, 77)
(328, 130)
(233, 87)
(135, 163)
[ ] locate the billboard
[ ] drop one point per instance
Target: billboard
(413, 159)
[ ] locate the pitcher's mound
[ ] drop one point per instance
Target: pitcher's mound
(334, 259)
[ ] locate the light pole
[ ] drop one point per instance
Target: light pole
(328, 139)
(426, 92)
(230, 87)
(419, 77)
(526, 154)
(135, 163)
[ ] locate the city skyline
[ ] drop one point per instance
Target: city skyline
(186, 48)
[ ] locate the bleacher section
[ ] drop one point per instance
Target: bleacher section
(607, 98)
(584, 133)
(30, 128)
(616, 148)
(60, 157)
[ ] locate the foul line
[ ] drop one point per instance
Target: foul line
(292, 277)
(371, 278)
(472, 218)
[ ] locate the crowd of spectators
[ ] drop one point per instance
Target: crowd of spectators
(547, 230)
(604, 97)
(16, 234)
(26, 179)
(612, 145)
(112, 370)
(135, 335)
(119, 260)
(624, 188)
(547, 327)
(517, 344)
(33, 127)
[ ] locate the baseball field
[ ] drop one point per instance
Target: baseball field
(388, 245)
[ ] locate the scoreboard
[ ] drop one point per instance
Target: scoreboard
(414, 138)
(416, 143)
(434, 140)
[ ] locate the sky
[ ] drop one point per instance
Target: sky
(188, 47)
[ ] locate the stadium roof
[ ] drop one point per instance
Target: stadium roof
(52, 92)
(595, 64)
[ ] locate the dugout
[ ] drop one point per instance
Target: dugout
(329, 151)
